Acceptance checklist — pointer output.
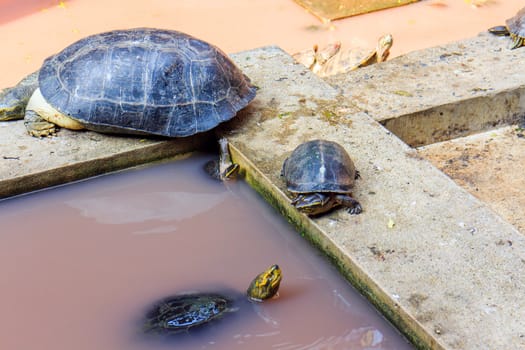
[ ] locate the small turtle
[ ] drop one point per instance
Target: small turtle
(137, 81)
(331, 60)
(184, 312)
(320, 175)
(515, 27)
(315, 58)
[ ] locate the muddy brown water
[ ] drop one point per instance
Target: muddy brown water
(80, 264)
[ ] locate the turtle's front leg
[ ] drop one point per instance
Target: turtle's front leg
(517, 41)
(353, 206)
(37, 126)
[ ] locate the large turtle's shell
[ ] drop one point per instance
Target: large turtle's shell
(144, 80)
(319, 166)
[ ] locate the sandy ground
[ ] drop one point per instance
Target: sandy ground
(490, 166)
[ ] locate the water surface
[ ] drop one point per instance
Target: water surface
(80, 264)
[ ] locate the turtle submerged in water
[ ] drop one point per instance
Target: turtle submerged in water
(184, 312)
(138, 81)
(514, 27)
(321, 175)
(331, 60)
(223, 168)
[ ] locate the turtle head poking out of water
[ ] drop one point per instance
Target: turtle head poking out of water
(266, 284)
(184, 312)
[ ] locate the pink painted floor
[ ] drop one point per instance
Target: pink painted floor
(34, 29)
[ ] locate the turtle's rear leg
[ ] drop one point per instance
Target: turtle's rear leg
(37, 126)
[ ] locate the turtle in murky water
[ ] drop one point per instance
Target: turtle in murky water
(137, 81)
(184, 312)
(321, 175)
(331, 60)
(223, 168)
(515, 27)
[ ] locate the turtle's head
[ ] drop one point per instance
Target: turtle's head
(313, 203)
(383, 47)
(10, 106)
(266, 284)
(10, 113)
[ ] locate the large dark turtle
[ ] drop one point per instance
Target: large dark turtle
(184, 312)
(136, 81)
(515, 27)
(321, 175)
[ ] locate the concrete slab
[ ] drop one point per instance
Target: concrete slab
(442, 92)
(425, 251)
(490, 166)
(29, 164)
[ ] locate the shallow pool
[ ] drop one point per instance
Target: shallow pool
(80, 264)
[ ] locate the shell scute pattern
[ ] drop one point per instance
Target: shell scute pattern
(319, 166)
(145, 80)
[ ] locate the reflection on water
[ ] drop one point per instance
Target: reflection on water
(163, 206)
(80, 266)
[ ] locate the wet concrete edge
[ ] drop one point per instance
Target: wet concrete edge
(347, 266)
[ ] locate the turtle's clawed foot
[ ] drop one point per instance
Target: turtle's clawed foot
(38, 127)
(355, 209)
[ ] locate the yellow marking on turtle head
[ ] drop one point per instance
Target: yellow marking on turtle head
(266, 284)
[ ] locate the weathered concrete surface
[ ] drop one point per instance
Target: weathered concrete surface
(28, 163)
(441, 93)
(425, 251)
(490, 165)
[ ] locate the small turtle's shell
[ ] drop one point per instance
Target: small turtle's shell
(147, 81)
(516, 24)
(319, 166)
(179, 313)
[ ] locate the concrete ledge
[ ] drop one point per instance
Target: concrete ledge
(442, 92)
(29, 164)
